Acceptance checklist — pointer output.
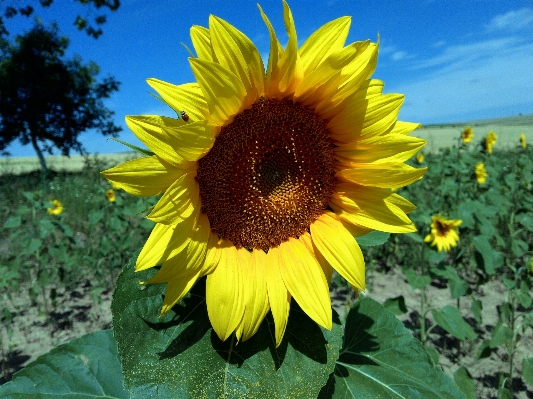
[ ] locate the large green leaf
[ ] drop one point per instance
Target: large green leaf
(372, 239)
(178, 355)
(87, 367)
(382, 359)
(451, 320)
(464, 381)
(527, 370)
(491, 259)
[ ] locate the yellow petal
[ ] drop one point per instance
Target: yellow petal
(339, 248)
(237, 53)
(365, 117)
(401, 203)
(223, 90)
(405, 127)
(214, 251)
(305, 281)
(276, 51)
(225, 294)
(192, 140)
(201, 40)
(278, 295)
(256, 306)
(324, 41)
(165, 242)
(143, 177)
(386, 175)
(306, 239)
(178, 202)
(190, 260)
(289, 73)
(187, 97)
(176, 290)
(380, 149)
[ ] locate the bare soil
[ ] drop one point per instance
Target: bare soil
(32, 332)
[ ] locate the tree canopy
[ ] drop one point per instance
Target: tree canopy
(26, 8)
(47, 100)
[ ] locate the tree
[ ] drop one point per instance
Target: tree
(82, 23)
(46, 100)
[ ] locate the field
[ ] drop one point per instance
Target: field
(470, 306)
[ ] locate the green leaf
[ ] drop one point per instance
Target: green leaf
(524, 295)
(396, 305)
(527, 370)
(476, 307)
(415, 237)
(13, 222)
(450, 319)
(86, 367)
(491, 259)
(433, 353)
(46, 227)
(179, 354)
(504, 393)
(372, 239)
(525, 220)
(434, 256)
(415, 280)
(484, 350)
(501, 335)
(95, 216)
(34, 246)
(382, 359)
(133, 147)
(464, 381)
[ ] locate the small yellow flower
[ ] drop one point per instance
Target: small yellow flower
(490, 141)
(443, 233)
(467, 135)
(56, 209)
(481, 173)
(110, 194)
(420, 157)
(523, 140)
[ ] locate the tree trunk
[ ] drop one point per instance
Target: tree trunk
(39, 154)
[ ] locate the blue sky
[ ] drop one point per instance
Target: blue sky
(454, 60)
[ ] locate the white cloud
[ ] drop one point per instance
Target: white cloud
(512, 20)
(438, 44)
(398, 55)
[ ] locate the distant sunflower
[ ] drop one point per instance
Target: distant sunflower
(443, 233)
(56, 208)
(110, 195)
(420, 157)
(467, 135)
(490, 141)
(266, 177)
(481, 173)
(523, 140)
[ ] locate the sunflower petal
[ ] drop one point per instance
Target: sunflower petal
(339, 248)
(201, 40)
(401, 203)
(237, 53)
(225, 294)
(192, 140)
(278, 295)
(187, 97)
(326, 40)
(143, 177)
(214, 251)
(165, 242)
(306, 239)
(305, 281)
(222, 89)
(289, 73)
(256, 306)
(405, 127)
(178, 202)
(386, 175)
(176, 290)
(276, 51)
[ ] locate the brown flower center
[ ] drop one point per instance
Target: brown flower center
(269, 175)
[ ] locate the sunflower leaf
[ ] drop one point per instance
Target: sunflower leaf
(86, 367)
(373, 239)
(381, 358)
(179, 354)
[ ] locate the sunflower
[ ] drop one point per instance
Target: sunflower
(110, 195)
(420, 157)
(467, 135)
(523, 140)
(443, 233)
(267, 177)
(56, 208)
(490, 141)
(481, 173)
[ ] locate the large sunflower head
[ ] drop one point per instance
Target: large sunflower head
(444, 234)
(266, 177)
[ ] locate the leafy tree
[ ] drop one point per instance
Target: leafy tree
(47, 100)
(26, 8)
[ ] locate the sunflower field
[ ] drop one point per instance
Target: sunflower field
(475, 296)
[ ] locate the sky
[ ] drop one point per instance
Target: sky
(454, 60)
